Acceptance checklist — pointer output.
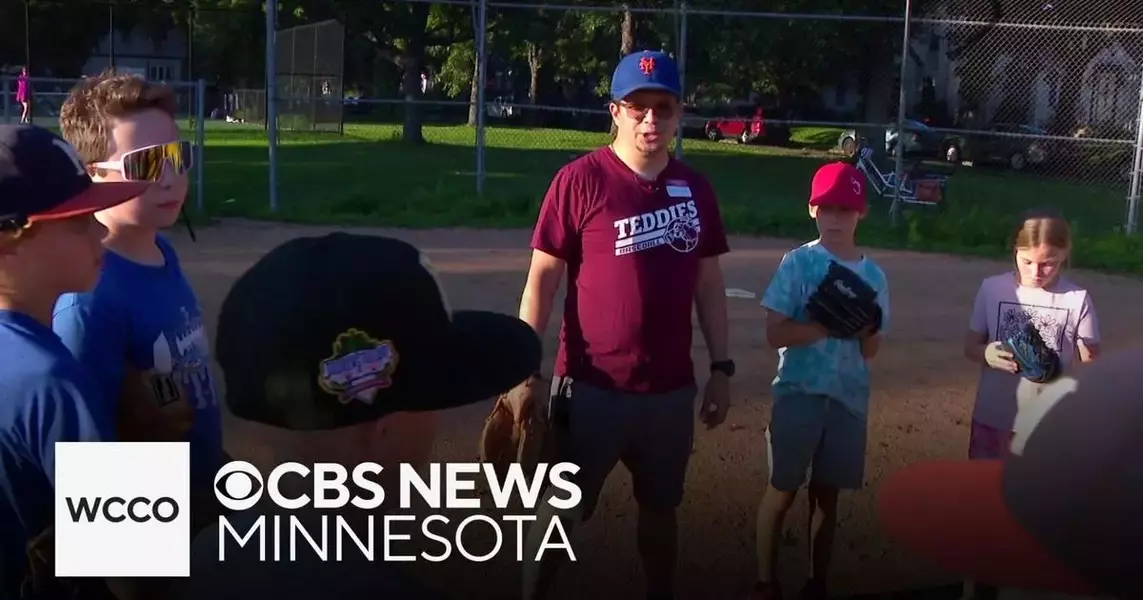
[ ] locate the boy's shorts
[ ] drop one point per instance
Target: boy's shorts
(651, 434)
(986, 442)
(809, 431)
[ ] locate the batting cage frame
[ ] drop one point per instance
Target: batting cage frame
(310, 77)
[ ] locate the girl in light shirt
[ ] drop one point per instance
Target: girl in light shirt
(1035, 292)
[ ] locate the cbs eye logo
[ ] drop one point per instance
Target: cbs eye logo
(238, 485)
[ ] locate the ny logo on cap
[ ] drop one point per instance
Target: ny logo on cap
(647, 65)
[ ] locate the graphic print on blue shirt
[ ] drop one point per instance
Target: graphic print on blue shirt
(46, 394)
(150, 316)
(830, 367)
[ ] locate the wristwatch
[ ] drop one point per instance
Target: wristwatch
(723, 366)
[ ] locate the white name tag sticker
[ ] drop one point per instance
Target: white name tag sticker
(679, 191)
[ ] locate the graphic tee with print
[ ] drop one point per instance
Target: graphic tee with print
(830, 367)
(1062, 314)
(149, 316)
(632, 249)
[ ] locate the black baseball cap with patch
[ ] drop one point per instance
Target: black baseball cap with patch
(332, 331)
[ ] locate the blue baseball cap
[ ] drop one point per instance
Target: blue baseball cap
(645, 70)
(42, 178)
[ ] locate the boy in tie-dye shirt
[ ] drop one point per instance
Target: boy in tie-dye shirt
(821, 392)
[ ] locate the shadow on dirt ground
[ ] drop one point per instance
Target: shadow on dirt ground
(923, 390)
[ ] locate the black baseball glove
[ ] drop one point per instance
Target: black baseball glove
(845, 304)
(1038, 362)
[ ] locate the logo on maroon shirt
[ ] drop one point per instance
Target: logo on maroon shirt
(676, 226)
(647, 65)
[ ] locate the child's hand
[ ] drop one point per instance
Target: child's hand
(998, 357)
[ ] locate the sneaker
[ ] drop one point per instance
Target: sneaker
(766, 591)
(814, 590)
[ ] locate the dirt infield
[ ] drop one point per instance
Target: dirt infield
(922, 393)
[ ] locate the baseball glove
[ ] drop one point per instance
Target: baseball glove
(844, 304)
(153, 407)
(514, 430)
(1038, 362)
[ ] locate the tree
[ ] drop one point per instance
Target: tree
(73, 30)
(404, 34)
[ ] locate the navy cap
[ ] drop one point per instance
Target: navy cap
(42, 178)
(645, 70)
(332, 331)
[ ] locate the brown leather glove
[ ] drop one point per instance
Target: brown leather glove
(514, 430)
(153, 407)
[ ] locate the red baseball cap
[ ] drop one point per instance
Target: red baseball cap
(1061, 513)
(838, 184)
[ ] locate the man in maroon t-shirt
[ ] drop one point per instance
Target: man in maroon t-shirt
(639, 235)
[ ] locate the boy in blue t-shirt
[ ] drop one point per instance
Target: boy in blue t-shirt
(821, 391)
(49, 245)
(143, 312)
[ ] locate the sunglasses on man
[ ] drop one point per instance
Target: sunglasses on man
(147, 164)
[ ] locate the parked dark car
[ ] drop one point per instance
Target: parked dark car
(1095, 153)
(919, 140)
(1005, 144)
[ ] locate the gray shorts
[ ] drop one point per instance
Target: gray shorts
(814, 433)
(652, 434)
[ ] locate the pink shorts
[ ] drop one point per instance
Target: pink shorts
(986, 442)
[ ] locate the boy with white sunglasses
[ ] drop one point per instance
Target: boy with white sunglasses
(143, 311)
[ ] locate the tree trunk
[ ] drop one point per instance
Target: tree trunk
(627, 32)
(411, 62)
(473, 94)
(626, 42)
(535, 61)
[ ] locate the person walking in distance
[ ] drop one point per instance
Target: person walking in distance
(24, 96)
(639, 235)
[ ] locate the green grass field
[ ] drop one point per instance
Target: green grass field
(369, 177)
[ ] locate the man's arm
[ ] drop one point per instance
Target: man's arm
(555, 239)
(544, 277)
(710, 304)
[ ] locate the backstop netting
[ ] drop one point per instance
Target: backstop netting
(310, 64)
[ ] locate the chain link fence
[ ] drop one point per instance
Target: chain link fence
(310, 81)
(977, 108)
(1036, 100)
(48, 95)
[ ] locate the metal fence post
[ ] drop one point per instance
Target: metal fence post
(1136, 168)
(898, 167)
(272, 98)
(481, 70)
(199, 141)
(682, 63)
